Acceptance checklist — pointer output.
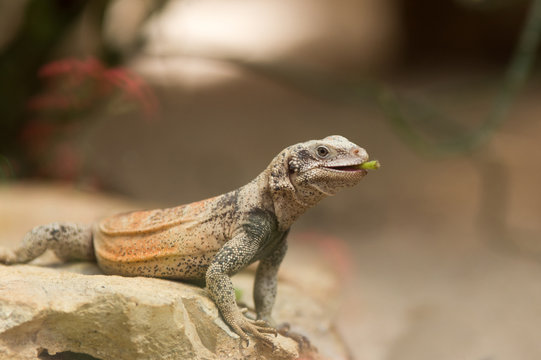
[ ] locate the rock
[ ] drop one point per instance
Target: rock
(48, 311)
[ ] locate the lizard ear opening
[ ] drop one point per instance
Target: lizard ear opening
(280, 171)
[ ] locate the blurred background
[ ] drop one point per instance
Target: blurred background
(168, 102)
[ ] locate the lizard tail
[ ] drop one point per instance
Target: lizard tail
(69, 241)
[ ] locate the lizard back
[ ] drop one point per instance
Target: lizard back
(172, 242)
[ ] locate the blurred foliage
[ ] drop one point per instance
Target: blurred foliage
(74, 89)
(485, 4)
(517, 72)
(43, 26)
(6, 170)
(46, 100)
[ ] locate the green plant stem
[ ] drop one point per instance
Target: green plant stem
(518, 70)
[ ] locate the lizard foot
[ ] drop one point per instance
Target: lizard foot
(256, 328)
(304, 343)
(269, 329)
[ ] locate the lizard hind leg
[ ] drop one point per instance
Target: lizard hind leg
(69, 241)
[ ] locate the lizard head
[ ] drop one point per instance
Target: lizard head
(318, 168)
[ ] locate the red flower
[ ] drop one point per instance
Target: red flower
(78, 85)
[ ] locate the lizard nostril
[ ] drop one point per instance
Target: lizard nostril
(359, 152)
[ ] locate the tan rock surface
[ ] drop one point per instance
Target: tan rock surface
(111, 317)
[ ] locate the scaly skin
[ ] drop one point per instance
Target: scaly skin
(208, 241)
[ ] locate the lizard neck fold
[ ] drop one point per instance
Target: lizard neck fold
(289, 202)
(288, 207)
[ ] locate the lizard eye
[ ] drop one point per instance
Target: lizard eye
(322, 151)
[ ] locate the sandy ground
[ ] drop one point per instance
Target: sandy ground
(431, 274)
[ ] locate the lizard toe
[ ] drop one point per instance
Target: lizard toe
(264, 327)
(256, 328)
(244, 339)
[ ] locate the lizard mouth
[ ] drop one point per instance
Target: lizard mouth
(346, 168)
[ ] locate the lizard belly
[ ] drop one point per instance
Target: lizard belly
(176, 252)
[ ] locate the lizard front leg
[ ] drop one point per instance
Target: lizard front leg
(235, 255)
(266, 281)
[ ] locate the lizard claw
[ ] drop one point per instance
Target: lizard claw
(244, 340)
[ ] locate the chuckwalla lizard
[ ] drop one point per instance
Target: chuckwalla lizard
(210, 240)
